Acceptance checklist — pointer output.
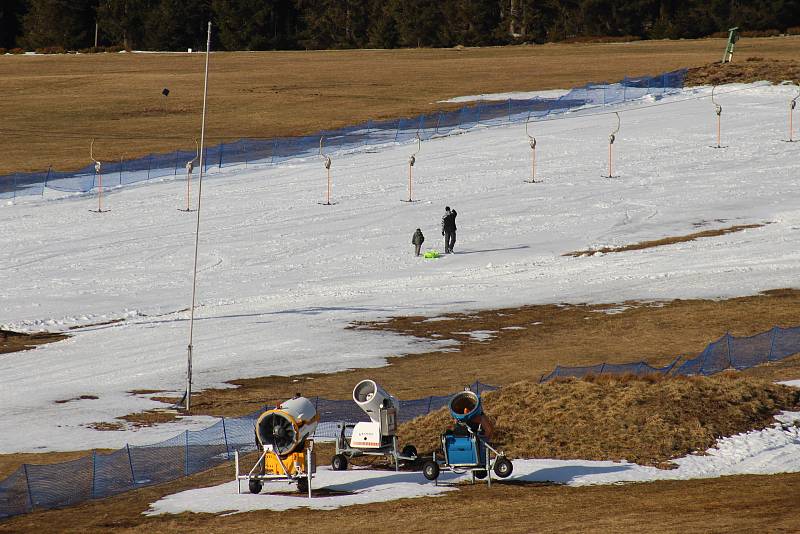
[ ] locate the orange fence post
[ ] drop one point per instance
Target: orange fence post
(611, 138)
(189, 169)
(411, 161)
(532, 143)
(328, 162)
(718, 111)
(98, 172)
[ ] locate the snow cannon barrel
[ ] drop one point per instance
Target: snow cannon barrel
(286, 427)
(465, 406)
(370, 397)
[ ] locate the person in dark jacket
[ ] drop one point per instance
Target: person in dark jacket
(449, 229)
(417, 239)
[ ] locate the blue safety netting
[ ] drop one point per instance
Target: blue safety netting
(340, 140)
(730, 352)
(634, 368)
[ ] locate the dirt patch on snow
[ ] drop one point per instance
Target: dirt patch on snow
(649, 421)
(664, 241)
(11, 341)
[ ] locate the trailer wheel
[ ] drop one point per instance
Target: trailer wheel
(430, 470)
(503, 467)
(339, 462)
(254, 485)
(302, 485)
(409, 451)
(480, 474)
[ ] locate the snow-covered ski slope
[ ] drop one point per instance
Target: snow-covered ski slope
(280, 275)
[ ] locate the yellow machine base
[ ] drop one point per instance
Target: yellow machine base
(294, 463)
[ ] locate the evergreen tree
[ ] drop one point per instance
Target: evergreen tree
(334, 23)
(419, 22)
(11, 13)
(65, 23)
(177, 25)
(122, 22)
(255, 24)
(287, 24)
(383, 28)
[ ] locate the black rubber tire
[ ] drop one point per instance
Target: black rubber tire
(339, 462)
(480, 474)
(503, 467)
(409, 451)
(430, 470)
(255, 486)
(302, 485)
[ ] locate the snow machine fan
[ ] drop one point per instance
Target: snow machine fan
(284, 437)
(287, 426)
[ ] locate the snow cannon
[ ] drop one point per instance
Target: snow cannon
(466, 446)
(284, 436)
(372, 398)
(378, 437)
(465, 406)
(286, 427)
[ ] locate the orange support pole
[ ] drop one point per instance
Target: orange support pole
(99, 193)
(328, 197)
(410, 181)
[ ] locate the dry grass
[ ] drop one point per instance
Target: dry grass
(663, 241)
(17, 341)
(53, 105)
(648, 421)
(747, 70)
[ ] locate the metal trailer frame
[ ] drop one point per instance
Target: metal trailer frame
(487, 467)
(389, 450)
(285, 475)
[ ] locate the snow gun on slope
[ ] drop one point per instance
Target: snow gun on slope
(284, 435)
(378, 437)
(466, 446)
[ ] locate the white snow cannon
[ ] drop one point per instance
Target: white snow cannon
(376, 437)
(284, 435)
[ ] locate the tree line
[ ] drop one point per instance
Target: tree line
(317, 24)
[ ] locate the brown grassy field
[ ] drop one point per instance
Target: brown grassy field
(53, 105)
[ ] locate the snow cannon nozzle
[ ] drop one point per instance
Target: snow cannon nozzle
(287, 427)
(370, 397)
(465, 406)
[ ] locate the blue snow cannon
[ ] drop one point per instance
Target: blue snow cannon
(466, 446)
(465, 406)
